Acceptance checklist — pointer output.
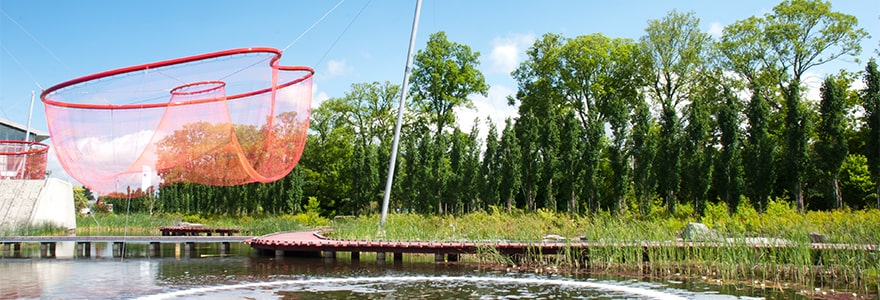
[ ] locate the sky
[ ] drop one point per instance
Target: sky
(43, 43)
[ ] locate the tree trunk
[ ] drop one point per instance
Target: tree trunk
(835, 187)
(878, 194)
(799, 196)
(670, 201)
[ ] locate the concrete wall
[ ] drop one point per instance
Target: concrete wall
(56, 204)
(36, 201)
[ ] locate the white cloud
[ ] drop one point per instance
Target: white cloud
(812, 83)
(509, 51)
(494, 107)
(321, 97)
(715, 29)
(337, 68)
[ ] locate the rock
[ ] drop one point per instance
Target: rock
(554, 238)
(187, 224)
(699, 232)
(816, 237)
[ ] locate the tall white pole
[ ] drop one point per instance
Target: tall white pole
(400, 110)
(27, 133)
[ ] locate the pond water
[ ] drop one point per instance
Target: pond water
(206, 274)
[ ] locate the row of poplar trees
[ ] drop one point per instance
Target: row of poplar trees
(604, 123)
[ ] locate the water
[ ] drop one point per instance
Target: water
(205, 274)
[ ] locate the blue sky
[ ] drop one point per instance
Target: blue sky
(43, 43)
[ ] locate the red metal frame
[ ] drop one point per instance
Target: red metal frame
(44, 149)
(273, 63)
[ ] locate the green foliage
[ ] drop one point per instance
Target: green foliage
(444, 74)
(857, 188)
(80, 200)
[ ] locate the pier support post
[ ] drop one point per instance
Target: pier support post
(380, 257)
(118, 249)
(224, 248)
(279, 253)
(6, 247)
(398, 257)
(16, 249)
(189, 249)
(355, 256)
(439, 257)
(155, 249)
(328, 254)
(452, 257)
(47, 249)
(83, 249)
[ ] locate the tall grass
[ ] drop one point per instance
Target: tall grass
(651, 245)
(145, 224)
(41, 229)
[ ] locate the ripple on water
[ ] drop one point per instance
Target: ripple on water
(424, 287)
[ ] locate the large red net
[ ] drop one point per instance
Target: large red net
(22, 160)
(223, 118)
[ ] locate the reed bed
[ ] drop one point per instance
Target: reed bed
(771, 248)
(36, 229)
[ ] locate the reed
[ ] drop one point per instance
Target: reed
(773, 248)
(41, 229)
(145, 224)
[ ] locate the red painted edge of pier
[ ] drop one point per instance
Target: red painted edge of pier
(314, 241)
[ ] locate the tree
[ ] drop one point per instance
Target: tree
(871, 102)
(444, 75)
(802, 34)
(643, 151)
(673, 48)
(729, 168)
(856, 186)
(745, 52)
(697, 165)
(369, 109)
(540, 95)
(490, 169)
(509, 163)
(831, 145)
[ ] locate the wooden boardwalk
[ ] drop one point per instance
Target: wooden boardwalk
(298, 242)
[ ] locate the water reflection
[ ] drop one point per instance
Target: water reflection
(205, 274)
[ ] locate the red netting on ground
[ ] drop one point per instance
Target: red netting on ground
(223, 118)
(23, 160)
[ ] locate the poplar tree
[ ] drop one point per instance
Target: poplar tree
(871, 102)
(831, 145)
(673, 48)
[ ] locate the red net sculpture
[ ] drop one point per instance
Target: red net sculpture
(23, 160)
(223, 118)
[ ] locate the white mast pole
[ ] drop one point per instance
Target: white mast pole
(400, 110)
(27, 133)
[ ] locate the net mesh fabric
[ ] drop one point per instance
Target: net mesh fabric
(225, 118)
(23, 160)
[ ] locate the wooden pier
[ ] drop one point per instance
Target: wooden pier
(313, 243)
